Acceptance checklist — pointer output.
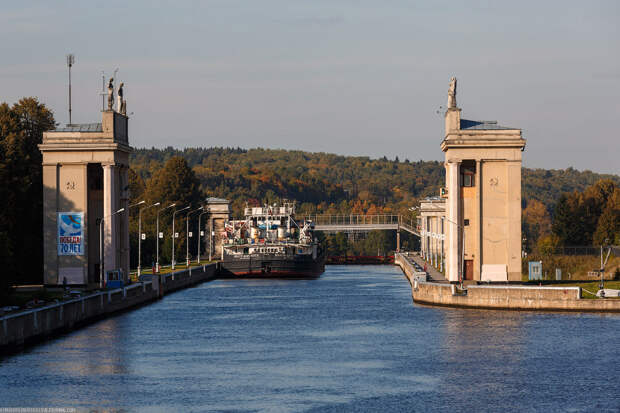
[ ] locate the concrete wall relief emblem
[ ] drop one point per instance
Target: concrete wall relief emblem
(493, 181)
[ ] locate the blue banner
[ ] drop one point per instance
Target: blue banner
(70, 233)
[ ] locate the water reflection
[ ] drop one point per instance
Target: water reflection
(94, 351)
(350, 341)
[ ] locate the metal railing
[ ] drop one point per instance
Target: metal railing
(363, 222)
(583, 250)
(354, 220)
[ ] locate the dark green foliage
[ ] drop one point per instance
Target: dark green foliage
(175, 182)
(567, 223)
(21, 199)
(588, 217)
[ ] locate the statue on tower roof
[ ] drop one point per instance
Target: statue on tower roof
(452, 94)
(121, 105)
(111, 94)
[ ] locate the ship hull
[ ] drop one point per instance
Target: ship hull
(271, 266)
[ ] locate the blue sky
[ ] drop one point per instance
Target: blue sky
(350, 77)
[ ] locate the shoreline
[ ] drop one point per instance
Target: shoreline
(502, 297)
(26, 328)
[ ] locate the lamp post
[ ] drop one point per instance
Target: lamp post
(129, 208)
(140, 235)
(187, 233)
(173, 215)
(157, 236)
(199, 233)
(101, 245)
(462, 228)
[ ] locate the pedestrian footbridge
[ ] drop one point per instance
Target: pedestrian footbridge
(351, 223)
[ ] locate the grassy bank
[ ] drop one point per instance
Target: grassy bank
(574, 267)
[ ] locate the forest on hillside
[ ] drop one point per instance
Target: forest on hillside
(329, 183)
(561, 207)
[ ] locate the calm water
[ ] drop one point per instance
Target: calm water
(350, 341)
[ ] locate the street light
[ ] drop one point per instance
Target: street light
(157, 236)
(199, 233)
(187, 233)
(461, 274)
(140, 236)
(173, 214)
(101, 245)
(136, 204)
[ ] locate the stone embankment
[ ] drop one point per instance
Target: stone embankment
(27, 327)
(505, 297)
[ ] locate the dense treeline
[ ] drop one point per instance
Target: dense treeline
(328, 183)
(580, 218)
(587, 210)
(21, 191)
(333, 184)
(319, 182)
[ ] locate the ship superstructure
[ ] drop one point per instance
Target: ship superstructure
(269, 242)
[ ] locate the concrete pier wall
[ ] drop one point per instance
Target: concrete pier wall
(406, 266)
(23, 328)
(507, 297)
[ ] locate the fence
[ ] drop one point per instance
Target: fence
(584, 250)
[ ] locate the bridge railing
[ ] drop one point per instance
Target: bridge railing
(354, 220)
(408, 224)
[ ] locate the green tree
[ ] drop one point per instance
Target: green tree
(608, 225)
(176, 183)
(21, 203)
(568, 221)
(137, 186)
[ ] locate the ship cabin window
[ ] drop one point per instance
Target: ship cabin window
(246, 251)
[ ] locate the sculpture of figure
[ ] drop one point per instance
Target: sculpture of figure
(121, 102)
(452, 93)
(111, 94)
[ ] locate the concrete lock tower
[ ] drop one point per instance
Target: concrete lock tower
(84, 182)
(219, 214)
(483, 208)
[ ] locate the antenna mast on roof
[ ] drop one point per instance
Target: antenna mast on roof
(103, 93)
(70, 61)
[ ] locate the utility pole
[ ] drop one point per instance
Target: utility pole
(70, 61)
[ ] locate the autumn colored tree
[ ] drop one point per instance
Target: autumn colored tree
(577, 216)
(608, 225)
(536, 221)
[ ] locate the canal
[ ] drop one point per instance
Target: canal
(350, 341)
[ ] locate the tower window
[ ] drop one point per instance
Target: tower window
(468, 174)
